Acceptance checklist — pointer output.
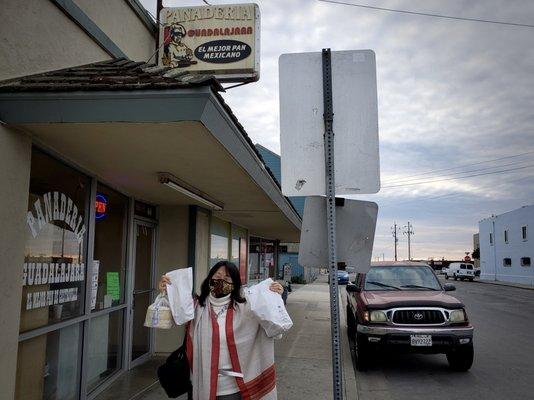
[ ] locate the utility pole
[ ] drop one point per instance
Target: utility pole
(408, 230)
(395, 230)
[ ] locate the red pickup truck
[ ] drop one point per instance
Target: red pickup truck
(403, 306)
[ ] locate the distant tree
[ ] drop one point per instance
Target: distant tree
(476, 254)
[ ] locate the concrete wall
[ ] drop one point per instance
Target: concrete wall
(171, 254)
(491, 256)
(37, 37)
(15, 158)
(122, 25)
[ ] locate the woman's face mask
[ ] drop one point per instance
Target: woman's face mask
(220, 287)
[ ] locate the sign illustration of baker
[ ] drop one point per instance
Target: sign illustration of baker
(219, 40)
(176, 54)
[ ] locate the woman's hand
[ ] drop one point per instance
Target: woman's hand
(164, 281)
(277, 288)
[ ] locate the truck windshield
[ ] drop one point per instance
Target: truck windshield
(404, 278)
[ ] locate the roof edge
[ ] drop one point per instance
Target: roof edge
(273, 189)
(144, 15)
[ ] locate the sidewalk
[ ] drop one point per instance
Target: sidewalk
(509, 284)
(303, 355)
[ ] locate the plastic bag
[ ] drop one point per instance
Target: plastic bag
(269, 307)
(158, 314)
(180, 293)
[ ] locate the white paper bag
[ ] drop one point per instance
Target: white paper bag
(180, 293)
(158, 314)
(269, 307)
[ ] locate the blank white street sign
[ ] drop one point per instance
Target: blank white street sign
(355, 233)
(357, 169)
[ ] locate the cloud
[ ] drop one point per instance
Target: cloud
(450, 93)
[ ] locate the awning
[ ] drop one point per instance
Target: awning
(128, 123)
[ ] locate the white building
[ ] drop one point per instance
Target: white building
(507, 246)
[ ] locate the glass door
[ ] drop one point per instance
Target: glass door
(141, 343)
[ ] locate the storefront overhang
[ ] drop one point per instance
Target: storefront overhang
(127, 138)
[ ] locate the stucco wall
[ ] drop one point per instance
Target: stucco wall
(15, 156)
(38, 37)
(171, 254)
(122, 25)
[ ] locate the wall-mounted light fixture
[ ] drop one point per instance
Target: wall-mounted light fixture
(177, 184)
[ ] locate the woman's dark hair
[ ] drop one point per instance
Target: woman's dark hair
(233, 271)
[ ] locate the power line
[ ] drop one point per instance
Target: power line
(428, 14)
(422, 199)
(462, 172)
(460, 166)
(454, 194)
(459, 177)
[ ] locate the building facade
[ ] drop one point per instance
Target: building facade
(115, 174)
(506, 246)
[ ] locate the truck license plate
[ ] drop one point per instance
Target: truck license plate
(421, 340)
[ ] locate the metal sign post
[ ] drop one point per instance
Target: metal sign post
(331, 222)
(348, 85)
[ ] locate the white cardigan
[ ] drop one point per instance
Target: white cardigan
(251, 352)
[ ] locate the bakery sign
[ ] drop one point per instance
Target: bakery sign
(222, 40)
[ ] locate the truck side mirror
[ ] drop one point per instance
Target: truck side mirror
(449, 287)
(352, 288)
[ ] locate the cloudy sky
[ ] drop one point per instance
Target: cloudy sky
(456, 98)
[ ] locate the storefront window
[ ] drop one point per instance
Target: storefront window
(239, 250)
(254, 259)
(262, 263)
(49, 366)
(235, 251)
(105, 347)
(267, 260)
(219, 244)
(109, 267)
(54, 268)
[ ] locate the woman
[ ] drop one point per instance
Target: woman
(230, 355)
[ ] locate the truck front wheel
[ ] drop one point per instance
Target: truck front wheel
(351, 322)
(461, 358)
(362, 352)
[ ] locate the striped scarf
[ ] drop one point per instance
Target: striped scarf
(251, 353)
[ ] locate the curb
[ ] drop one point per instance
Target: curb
(496, 283)
(506, 284)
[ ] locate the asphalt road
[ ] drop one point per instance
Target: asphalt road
(504, 354)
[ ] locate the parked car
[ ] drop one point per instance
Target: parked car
(461, 271)
(402, 306)
(342, 277)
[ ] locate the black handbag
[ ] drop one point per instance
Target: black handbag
(174, 374)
